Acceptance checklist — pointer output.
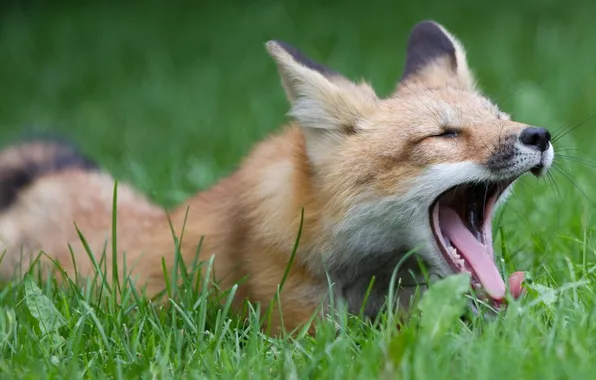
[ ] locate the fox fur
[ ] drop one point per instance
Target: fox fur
(362, 169)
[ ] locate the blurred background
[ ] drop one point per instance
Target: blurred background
(170, 95)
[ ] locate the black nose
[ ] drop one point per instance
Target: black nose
(537, 138)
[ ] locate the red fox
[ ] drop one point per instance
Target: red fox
(369, 179)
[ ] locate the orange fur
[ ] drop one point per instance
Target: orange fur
(345, 148)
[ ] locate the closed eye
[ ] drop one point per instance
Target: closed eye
(448, 133)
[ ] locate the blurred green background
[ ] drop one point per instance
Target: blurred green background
(170, 95)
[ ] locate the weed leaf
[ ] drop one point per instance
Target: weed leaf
(442, 305)
(42, 309)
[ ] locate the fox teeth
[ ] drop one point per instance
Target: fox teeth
(457, 259)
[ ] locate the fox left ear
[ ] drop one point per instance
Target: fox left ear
(435, 58)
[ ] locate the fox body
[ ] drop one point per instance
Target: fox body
(371, 179)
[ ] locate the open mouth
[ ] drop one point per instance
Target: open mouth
(461, 221)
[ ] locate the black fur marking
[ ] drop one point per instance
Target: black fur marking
(73, 159)
(305, 61)
(503, 155)
(59, 154)
(68, 156)
(12, 182)
(427, 43)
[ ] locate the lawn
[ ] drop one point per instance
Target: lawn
(169, 98)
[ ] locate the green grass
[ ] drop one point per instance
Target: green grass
(170, 99)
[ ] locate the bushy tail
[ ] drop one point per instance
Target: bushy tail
(21, 164)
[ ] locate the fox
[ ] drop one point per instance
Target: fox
(401, 188)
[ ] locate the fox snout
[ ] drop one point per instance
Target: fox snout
(527, 150)
(535, 138)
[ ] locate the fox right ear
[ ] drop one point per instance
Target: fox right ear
(325, 104)
(320, 97)
(435, 58)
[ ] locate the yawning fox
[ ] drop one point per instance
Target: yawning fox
(365, 180)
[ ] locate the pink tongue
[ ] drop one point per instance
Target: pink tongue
(475, 254)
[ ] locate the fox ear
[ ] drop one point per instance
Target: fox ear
(435, 58)
(321, 99)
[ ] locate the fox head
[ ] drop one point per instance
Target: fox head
(422, 169)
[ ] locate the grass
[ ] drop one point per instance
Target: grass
(171, 99)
